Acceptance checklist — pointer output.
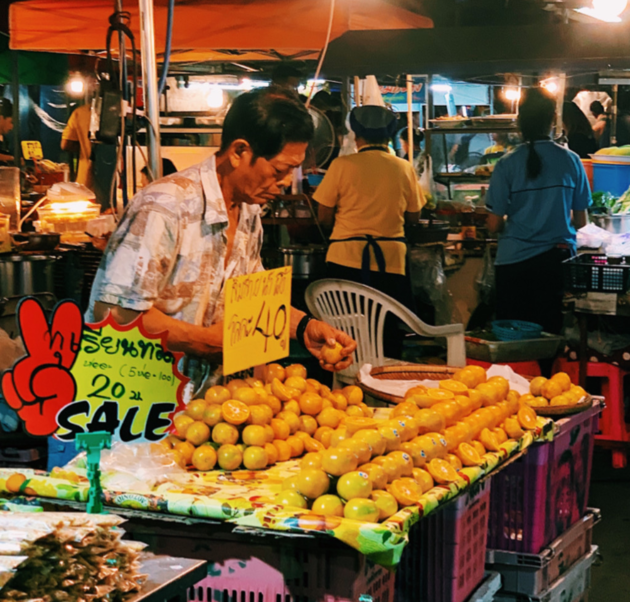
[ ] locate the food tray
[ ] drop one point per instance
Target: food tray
(404, 372)
(556, 411)
(590, 272)
(449, 123)
(481, 347)
(494, 121)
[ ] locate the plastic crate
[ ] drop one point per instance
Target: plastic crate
(531, 574)
(590, 272)
(445, 558)
(571, 587)
(538, 497)
(516, 330)
(490, 585)
(254, 565)
(610, 177)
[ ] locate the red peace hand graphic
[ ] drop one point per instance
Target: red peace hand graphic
(40, 384)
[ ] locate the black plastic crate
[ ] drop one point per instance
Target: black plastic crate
(592, 273)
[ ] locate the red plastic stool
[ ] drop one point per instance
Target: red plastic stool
(523, 368)
(613, 422)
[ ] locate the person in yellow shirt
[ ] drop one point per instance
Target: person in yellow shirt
(366, 198)
(76, 139)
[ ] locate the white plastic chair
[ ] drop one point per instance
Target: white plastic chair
(360, 311)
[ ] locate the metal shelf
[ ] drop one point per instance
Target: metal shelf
(473, 130)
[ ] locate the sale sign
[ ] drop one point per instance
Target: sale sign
(257, 320)
(78, 378)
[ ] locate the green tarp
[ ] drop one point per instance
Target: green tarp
(43, 68)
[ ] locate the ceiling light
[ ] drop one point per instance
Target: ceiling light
(551, 85)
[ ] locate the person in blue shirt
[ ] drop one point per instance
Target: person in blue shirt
(538, 196)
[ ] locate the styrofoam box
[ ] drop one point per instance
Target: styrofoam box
(573, 585)
(531, 574)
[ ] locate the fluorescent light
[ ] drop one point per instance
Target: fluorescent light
(441, 88)
(605, 10)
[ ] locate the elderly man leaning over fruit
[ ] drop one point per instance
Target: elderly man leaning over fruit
(183, 236)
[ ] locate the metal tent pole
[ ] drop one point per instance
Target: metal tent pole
(15, 89)
(149, 80)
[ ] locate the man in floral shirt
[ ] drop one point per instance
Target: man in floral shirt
(183, 236)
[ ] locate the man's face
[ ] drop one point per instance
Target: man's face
(6, 125)
(257, 182)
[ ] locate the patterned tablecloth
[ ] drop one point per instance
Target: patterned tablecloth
(245, 498)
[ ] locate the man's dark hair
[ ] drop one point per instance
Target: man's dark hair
(6, 107)
(268, 119)
(283, 72)
(597, 108)
(168, 168)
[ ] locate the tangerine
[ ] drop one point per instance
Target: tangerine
(297, 446)
(331, 354)
(296, 382)
(254, 435)
(338, 462)
(417, 390)
(217, 394)
(186, 449)
(196, 408)
(355, 411)
(453, 386)
(229, 457)
(247, 395)
(407, 491)
(392, 437)
(182, 422)
(234, 385)
(308, 425)
(283, 448)
(272, 453)
(373, 438)
(385, 502)
(323, 435)
(361, 509)
(466, 377)
(291, 498)
(225, 433)
(353, 394)
(290, 484)
(390, 466)
(423, 478)
(328, 505)
(295, 370)
(311, 460)
(280, 428)
(330, 417)
(441, 471)
(234, 412)
(404, 461)
(255, 458)
(551, 388)
(313, 385)
(406, 408)
(361, 449)
(468, 455)
(312, 445)
(293, 420)
(292, 406)
(313, 482)
(274, 403)
(198, 433)
(454, 461)
(311, 403)
(376, 474)
(563, 379)
(429, 421)
(274, 371)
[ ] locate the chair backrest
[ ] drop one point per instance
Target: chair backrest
(360, 311)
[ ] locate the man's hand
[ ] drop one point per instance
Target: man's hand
(318, 334)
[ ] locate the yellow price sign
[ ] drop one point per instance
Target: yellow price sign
(257, 319)
(32, 149)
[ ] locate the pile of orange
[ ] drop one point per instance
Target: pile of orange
(556, 391)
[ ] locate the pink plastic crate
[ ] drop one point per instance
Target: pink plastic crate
(292, 575)
(538, 497)
(444, 560)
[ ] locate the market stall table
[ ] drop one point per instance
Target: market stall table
(168, 578)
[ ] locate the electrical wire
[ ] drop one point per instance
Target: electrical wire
(323, 53)
(167, 47)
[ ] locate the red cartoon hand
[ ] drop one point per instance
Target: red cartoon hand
(40, 384)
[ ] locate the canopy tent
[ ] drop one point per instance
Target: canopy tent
(33, 67)
(466, 51)
(286, 27)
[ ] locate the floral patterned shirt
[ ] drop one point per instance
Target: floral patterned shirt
(170, 247)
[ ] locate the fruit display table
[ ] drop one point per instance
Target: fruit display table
(245, 498)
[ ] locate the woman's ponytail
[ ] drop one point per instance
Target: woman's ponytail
(536, 115)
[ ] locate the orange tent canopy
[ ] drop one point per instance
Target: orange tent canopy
(285, 26)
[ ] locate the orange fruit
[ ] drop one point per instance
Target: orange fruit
(390, 466)
(551, 389)
(204, 458)
(558, 400)
(355, 411)
(331, 354)
(527, 417)
(272, 453)
(217, 394)
(451, 411)
(198, 433)
(368, 412)
(186, 449)
(326, 403)
(454, 461)
(311, 403)
(478, 371)
(338, 401)
(376, 474)
(467, 378)
(292, 406)
(439, 442)
(297, 446)
(312, 482)
(196, 408)
(354, 424)
(225, 433)
(466, 404)
(502, 384)
(500, 434)
(526, 398)
(234, 412)
(328, 505)
(254, 435)
(280, 428)
(385, 502)
(296, 382)
(490, 394)
(536, 384)
(407, 491)
(283, 449)
(359, 448)
(429, 421)
(422, 400)
(311, 460)
(406, 408)
(391, 436)
(311, 445)
(338, 435)
(563, 379)
(260, 415)
(373, 438)
(406, 427)
(417, 390)
(423, 478)
(295, 370)
(481, 450)
(330, 417)
(178, 458)
(290, 498)
(283, 393)
(468, 455)
(308, 424)
(234, 385)
(538, 402)
(353, 394)
(404, 461)
(290, 484)
(441, 471)
(361, 509)
(274, 403)
(453, 386)
(182, 422)
(313, 385)
(291, 419)
(274, 371)
(489, 440)
(303, 436)
(417, 454)
(476, 398)
(337, 462)
(271, 435)
(513, 428)
(255, 458)
(247, 395)
(323, 435)
(229, 457)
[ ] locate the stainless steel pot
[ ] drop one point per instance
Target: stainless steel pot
(26, 274)
(617, 224)
(307, 262)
